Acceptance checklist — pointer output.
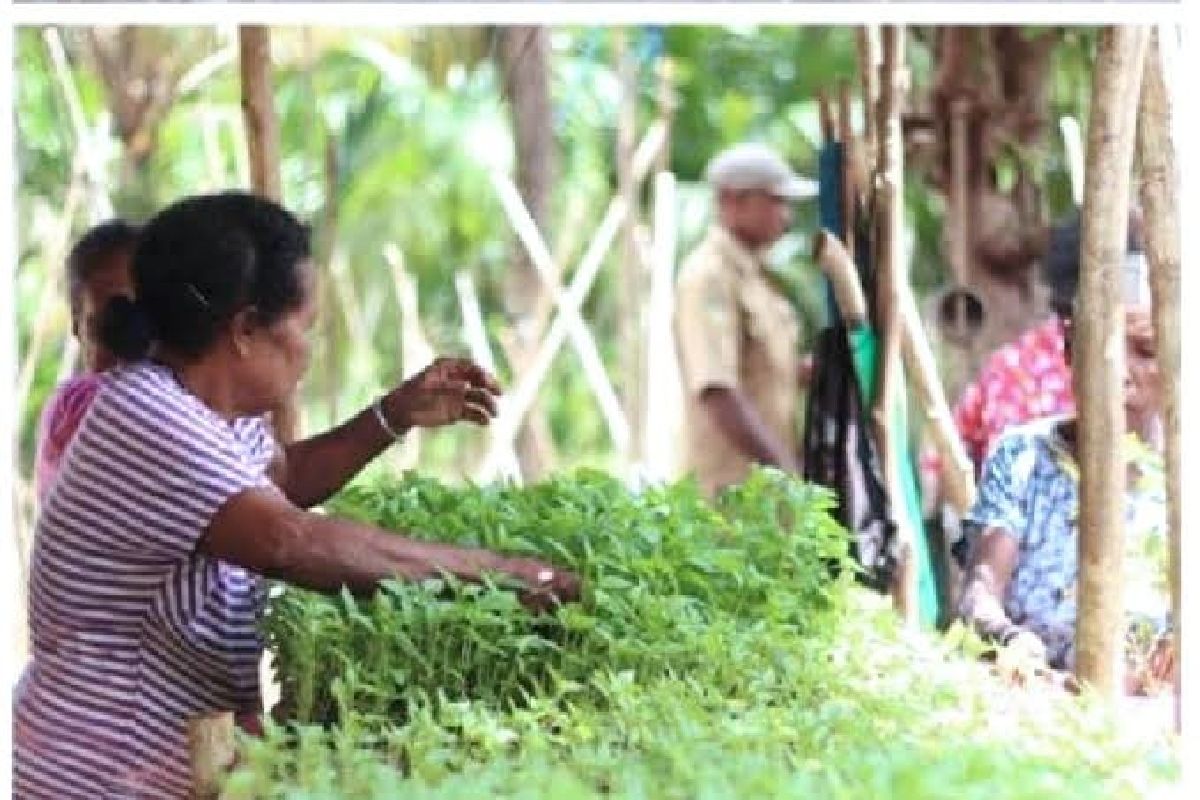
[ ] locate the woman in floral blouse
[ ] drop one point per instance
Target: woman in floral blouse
(1022, 532)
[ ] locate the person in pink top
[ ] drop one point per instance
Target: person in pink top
(1030, 378)
(97, 271)
(1022, 381)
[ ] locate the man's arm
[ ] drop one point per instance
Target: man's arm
(736, 417)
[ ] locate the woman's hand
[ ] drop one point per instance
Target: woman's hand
(546, 586)
(1163, 664)
(1156, 673)
(449, 390)
(1021, 658)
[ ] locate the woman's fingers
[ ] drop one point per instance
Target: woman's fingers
(462, 369)
(476, 414)
(483, 399)
(1162, 663)
(545, 582)
(448, 391)
(470, 402)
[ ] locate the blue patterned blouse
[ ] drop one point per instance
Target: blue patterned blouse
(1030, 489)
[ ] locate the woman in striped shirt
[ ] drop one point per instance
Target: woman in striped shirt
(175, 501)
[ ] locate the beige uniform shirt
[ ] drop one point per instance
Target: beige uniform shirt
(736, 330)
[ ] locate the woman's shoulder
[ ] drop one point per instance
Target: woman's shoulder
(138, 375)
(1035, 433)
(144, 401)
(1023, 451)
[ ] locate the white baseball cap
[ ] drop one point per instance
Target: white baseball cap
(752, 165)
(1136, 280)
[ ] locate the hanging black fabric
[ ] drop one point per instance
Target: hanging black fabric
(839, 453)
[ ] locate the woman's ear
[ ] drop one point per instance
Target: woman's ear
(242, 329)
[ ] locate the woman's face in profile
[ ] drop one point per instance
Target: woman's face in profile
(113, 279)
(1143, 381)
(280, 351)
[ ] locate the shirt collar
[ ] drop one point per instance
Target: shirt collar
(748, 262)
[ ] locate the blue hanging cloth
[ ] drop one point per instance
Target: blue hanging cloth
(829, 210)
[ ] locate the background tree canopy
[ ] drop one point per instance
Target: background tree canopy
(388, 137)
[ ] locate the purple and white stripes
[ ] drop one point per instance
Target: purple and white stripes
(133, 631)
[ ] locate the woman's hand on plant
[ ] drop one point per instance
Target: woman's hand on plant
(545, 586)
(449, 390)
(1021, 658)
(1027, 647)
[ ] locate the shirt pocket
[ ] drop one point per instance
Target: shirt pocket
(769, 323)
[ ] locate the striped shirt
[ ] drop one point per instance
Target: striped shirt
(133, 631)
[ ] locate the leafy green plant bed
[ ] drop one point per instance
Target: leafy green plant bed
(719, 651)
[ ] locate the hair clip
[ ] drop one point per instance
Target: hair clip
(196, 294)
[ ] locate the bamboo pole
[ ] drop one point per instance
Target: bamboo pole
(667, 104)
(869, 58)
(1099, 356)
(825, 114)
(516, 404)
(1073, 146)
(620, 427)
(891, 272)
(332, 330)
(835, 261)
(263, 151)
(849, 187)
(631, 318)
(475, 334)
(415, 351)
(86, 140)
(959, 192)
(1159, 192)
(262, 142)
(661, 398)
(664, 396)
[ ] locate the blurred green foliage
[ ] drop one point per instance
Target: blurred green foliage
(413, 120)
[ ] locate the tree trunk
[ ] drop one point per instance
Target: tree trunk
(140, 68)
(262, 142)
(987, 103)
(523, 55)
(1159, 196)
(891, 275)
(1099, 355)
(258, 108)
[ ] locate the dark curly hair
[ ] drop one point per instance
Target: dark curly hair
(1060, 265)
(200, 261)
(92, 252)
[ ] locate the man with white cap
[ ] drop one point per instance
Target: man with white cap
(737, 333)
(1023, 533)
